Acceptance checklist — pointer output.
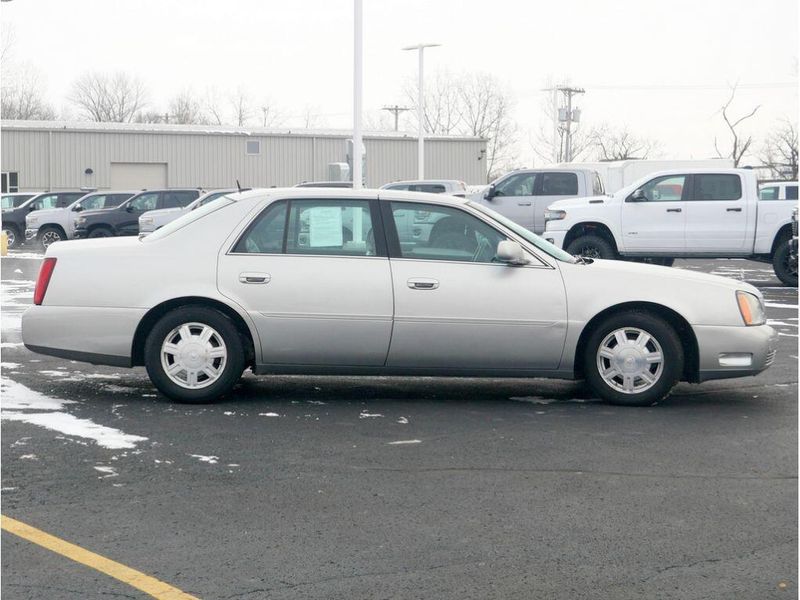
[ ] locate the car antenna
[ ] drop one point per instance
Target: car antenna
(238, 187)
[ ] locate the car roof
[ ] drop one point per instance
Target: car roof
(346, 193)
(421, 182)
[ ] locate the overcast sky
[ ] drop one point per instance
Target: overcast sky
(659, 68)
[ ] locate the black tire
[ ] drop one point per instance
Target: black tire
(14, 237)
(785, 269)
(235, 360)
(50, 235)
(672, 356)
(663, 262)
(592, 246)
(101, 232)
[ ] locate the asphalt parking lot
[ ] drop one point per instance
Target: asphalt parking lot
(313, 487)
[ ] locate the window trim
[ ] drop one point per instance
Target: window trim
(247, 150)
(375, 215)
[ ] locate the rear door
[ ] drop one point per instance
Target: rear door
(717, 214)
(314, 276)
(658, 223)
(550, 187)
(514, 198)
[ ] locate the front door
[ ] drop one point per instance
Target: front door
(513, 198)
(717, 214)
(131, 211)
(456, 308)
(314, 277)
(657, 223)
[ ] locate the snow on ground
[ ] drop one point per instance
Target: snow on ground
(20, 403)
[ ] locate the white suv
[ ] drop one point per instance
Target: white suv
(430, 186)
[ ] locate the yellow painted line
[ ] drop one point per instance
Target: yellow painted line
(140, 581)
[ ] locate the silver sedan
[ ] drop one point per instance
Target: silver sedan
(345, 282)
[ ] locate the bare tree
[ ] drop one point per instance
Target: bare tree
(186, 109)
(621, 144)
(22, 96)
(474, 104)
(116, 97)
(213, 107)
(739, 144)
(779, 152)
(241, 104)
(270, 116)
(7, 40)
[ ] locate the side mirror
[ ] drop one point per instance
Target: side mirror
(32, 207)
(77, 208)
(129, 207)
(490, 193)
(511, 253)
(637, 196)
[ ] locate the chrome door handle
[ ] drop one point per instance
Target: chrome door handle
(423, 283)
(734, 210)
(254, 277)
(524, 203)
(674, 210)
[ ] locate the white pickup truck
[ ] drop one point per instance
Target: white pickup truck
(698, 213)
(525, 194)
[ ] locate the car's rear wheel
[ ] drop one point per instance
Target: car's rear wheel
(592, 246)
(50, 235)
(633, 358)
(13, 237)
(194, 355)
(100, 232)
(785, 268)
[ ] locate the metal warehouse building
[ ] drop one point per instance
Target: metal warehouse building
(52, 155)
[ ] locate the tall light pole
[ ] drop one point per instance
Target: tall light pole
(357, 51)
(421, 109)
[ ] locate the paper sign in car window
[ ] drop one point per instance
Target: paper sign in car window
(325, 225)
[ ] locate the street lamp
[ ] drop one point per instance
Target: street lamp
(420, 108)
(357, 91)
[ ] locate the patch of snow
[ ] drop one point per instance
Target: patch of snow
(402, 421)
(54, 373)
(109, 471)
(11, 345)
(29, 457)
(229, 413)
(404, 442)
(365, 415)
(268, 414)
(212, 460)
(9, 365)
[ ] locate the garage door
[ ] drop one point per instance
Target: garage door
(137, 176)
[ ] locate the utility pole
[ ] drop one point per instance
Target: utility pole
(566, 116)
(570, 118)
(396, 110)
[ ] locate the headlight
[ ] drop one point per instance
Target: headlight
(554, 215)
(751, 308)
(145, 220)
(30, 220)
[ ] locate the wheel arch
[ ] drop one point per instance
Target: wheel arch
(56, 226)
(154, 314)
(590, 228)
(691, 353)
(108, 226)
(784, 233)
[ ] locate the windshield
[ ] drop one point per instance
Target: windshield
(15, 201)
(189, 217)
(528, 236)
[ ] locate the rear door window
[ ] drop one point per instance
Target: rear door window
(720, 187)
(331, 227)
(791, 192)
(558, 184)
(179, 199)
(266, 234)
(769, 193)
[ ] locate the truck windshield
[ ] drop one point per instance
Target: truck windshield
(528, 236)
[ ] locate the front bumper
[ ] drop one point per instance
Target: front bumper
(31, 234)
(555, 237)
(80, 233)
(727, 352)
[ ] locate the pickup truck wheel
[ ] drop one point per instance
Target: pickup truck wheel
(592, 246)
(50, 235)
(633, 359)
(785, 269)
(194, 355)
(99, 232)
(13, 237)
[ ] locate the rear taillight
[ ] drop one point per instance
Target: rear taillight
(45, 273)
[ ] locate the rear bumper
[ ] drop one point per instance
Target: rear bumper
(727, 352)
(89, 334)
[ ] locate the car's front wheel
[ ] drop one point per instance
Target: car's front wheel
(13, 237)
(194, 354)
(50, 235)
(101, 232)
(633, 358)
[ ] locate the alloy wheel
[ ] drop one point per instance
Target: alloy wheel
(193, 355)
(630, 360)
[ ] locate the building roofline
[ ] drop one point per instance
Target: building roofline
(167, 128)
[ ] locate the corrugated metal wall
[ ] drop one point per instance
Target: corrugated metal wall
(58, 159)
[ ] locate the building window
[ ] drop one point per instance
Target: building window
(253, 147)
(10, 183)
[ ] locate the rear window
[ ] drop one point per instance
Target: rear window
(791, 192)
(717, 187)
(189, 217)
(559, 184)
(597, 185)
(769, 193)
(430, 188)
